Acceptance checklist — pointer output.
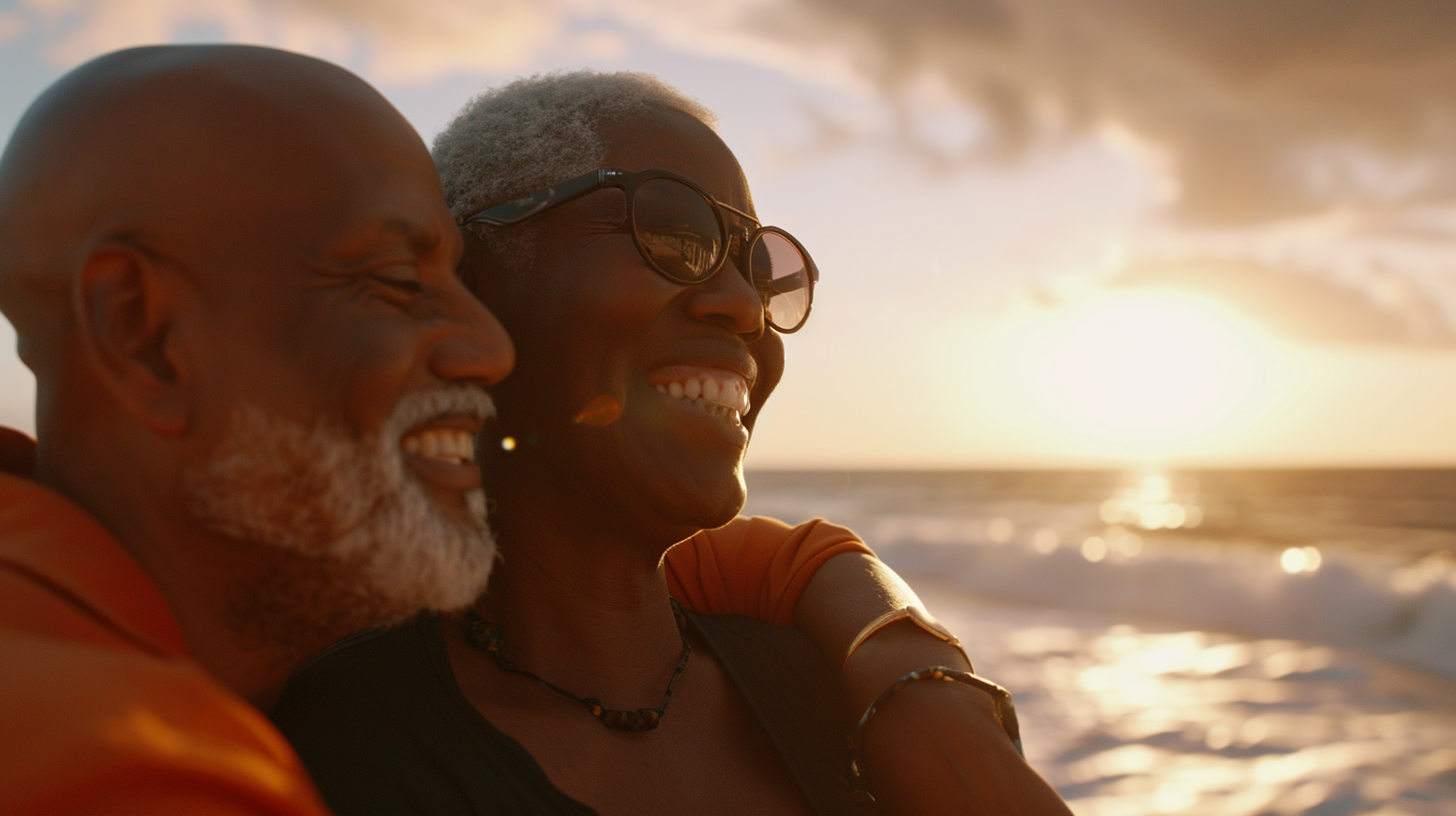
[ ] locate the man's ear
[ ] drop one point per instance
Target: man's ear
(126, 307)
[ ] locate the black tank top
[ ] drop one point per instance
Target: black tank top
(383, 727)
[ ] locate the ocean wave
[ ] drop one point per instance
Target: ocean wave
(1361, 559)
(1353, 598)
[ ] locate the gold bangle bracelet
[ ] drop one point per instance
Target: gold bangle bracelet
(1005, 713)
(922, 618)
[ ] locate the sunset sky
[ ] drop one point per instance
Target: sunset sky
(1051, 232)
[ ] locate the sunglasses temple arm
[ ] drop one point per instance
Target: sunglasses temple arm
(792, 283)
(513, 212)
(783, 286)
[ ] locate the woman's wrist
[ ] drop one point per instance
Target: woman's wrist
(938, 747)
(1003, 711)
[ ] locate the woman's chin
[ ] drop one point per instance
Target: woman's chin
(693, 501)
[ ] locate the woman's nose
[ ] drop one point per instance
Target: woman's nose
(728, 298)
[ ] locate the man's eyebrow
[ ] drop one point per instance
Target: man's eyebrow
(419, 237)
(388, 234)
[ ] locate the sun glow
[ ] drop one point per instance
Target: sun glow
(1138, 374)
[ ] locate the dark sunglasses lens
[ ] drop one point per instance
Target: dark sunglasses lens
(781, 272)
(677, 229)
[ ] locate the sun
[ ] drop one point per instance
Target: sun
(1139, 373)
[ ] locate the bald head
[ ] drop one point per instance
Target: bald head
(228, 263)
(189, 152)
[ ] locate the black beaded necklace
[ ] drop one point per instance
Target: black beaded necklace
(488, 638)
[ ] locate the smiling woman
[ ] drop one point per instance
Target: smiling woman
(1141, 374)
(647, 303)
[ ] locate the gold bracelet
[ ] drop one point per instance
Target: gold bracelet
(1005, 713)
(922, 618)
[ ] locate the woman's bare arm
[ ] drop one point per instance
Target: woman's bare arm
(933, 747)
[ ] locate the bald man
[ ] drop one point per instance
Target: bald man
(232, 272)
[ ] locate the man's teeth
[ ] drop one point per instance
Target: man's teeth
(727, 399)
(443, 443)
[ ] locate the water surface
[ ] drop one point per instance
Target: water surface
(1239, 643)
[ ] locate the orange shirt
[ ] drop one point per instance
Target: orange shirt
(102, 711)
(754, 566)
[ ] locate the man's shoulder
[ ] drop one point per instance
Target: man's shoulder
(63, 572)
(58, 691)
(88, 726)
(92, 720)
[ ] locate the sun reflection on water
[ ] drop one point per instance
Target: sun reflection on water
(1128, 721)
(1295, 560)
(1151, 505)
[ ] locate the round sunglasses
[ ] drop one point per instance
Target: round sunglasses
(684, 234)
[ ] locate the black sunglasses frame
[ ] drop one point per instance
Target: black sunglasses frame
(514, 212)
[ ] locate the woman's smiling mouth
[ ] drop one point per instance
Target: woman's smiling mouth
(718, 392)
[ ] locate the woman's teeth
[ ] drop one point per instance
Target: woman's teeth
(728, 399)
(445, 444)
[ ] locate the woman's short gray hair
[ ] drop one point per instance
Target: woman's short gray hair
(538, 131)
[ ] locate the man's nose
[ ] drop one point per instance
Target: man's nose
(477, 349)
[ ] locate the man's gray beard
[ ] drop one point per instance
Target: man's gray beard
(365, 541)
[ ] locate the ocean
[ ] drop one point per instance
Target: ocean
(1200, 642)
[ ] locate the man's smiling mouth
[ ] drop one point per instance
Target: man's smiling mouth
(442, 453)
(443, 444)
(435, 434)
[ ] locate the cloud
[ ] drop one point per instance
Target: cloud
(1256, 110)
(401, 41)
(11, 26)
(1324, 126)
(1374, 308)
(421, 41)
(1255, 113)
(408, 41)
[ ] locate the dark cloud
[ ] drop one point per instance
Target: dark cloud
(1257, 109)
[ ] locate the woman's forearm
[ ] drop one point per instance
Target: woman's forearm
(934, 746)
